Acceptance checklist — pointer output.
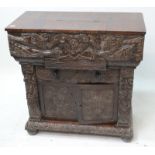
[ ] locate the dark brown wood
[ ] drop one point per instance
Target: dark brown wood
(117, 22)
(78, 69)
(125, 96)
(58, 101)
(97, 103)
(66, 50)
(31, 91)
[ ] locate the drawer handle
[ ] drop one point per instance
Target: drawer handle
(97, 73)
(56, 73)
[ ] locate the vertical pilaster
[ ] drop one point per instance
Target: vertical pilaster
(125, 96)
(31, 91)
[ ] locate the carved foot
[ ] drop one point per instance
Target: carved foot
(127, 138)
(32, 132)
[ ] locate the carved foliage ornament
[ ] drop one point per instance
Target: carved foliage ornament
(77, 46)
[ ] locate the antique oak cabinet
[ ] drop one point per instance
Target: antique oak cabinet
(78, 69)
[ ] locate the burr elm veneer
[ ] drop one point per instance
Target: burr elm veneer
(78, 69)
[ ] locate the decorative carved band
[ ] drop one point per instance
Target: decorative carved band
(77, 46)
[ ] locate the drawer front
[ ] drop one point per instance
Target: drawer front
(77, 76)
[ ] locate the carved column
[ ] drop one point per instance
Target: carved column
(31, 91)
(125, 96)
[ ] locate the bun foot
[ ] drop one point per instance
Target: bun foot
(32, 132)
(127, 139)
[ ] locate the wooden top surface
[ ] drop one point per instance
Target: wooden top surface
(36, 21)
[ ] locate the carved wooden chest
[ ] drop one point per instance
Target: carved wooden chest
(78, 69)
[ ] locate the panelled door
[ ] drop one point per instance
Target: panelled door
(83, 102)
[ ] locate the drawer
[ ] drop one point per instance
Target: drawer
(85, 103)
(77, 76)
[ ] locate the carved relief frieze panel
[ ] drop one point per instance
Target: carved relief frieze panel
(62, 47)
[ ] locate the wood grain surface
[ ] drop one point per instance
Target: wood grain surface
(37, 21)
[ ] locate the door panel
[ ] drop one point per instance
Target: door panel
(97, 103)
(58, 101)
